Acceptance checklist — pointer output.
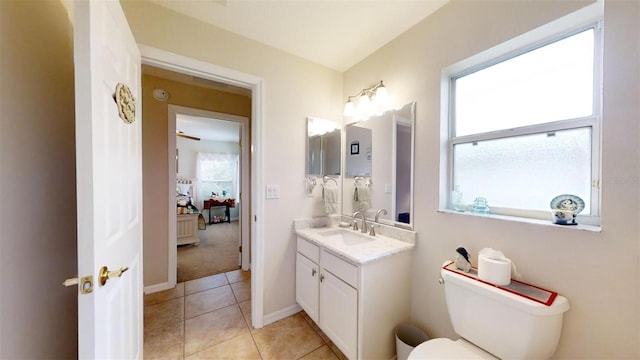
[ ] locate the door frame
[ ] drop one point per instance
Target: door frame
(186, 65)
(243, 122)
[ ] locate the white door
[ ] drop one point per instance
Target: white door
(109, 183)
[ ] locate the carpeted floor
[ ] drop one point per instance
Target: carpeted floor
(217, 252)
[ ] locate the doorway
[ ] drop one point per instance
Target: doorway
(184, 65)
(212, 157)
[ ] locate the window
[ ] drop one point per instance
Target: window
(525, 128)
(217, 173)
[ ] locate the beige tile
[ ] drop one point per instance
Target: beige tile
(240, 347)
(213, 328)
(209, 300)
(337, 351)
(162, 314)
(323, 353)
(289, 338)
(238, 275)
(165, 343)
(242, 290)
(245, 307)
(313, 325)
(157, 297)
(206, 283)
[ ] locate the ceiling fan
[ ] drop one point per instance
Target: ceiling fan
(183, 135)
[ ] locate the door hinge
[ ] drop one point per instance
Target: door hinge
(240, 248)
(595, 184)
(255, 218)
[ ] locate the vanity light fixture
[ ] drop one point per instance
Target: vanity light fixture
(371, 101)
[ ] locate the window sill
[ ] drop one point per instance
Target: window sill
(592, 228)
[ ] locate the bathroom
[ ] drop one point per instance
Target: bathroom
(563, 259)
(411, 67)
(596, 270)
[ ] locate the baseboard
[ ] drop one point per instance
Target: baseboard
(281, 314)
(157, 287)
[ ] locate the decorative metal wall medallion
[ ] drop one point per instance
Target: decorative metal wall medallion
(126, 103)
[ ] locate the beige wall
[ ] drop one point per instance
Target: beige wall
(293, 89)
(597, 271)
(38, 316)
(155, 164)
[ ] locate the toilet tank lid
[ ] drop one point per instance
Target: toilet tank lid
(523, 293)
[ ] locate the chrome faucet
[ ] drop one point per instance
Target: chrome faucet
(372, 232)
(355, 221)
(384, 211)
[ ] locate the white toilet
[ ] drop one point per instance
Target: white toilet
(494, 323)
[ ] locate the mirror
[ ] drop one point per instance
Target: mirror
(379, 157)
(323, 147)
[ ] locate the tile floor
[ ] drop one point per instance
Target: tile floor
(210, 318)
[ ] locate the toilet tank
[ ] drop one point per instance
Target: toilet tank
(506, 325)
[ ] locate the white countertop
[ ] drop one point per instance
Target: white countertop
(377, 247)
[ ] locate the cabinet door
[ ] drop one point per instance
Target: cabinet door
(339, 313)
(307, 286)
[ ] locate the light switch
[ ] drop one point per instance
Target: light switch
(273, 191)
(387, 188)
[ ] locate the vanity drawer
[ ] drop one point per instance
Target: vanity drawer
(311, 251)
(345, 271)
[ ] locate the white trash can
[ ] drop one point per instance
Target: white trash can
(407, 338)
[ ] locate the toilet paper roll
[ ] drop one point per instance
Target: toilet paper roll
(494, 271)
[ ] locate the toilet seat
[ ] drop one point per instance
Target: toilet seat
(444, 348)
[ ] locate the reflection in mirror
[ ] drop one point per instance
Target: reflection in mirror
(323, 147)
(358, 151)
(379, 159)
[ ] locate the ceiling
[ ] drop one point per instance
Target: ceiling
(208, 129)
(335, 33)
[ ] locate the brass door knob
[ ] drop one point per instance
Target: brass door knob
(105, 274)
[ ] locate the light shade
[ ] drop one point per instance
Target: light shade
(349, 109)
(381, 93)
(364, 107)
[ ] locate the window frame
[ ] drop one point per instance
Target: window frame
(592, 121)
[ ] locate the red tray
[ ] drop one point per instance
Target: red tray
(531, 292)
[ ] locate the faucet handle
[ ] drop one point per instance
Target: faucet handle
(372, 229)
(355, 224)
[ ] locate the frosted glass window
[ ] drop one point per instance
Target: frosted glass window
(526, 172)
(550, 83)
(524, 127)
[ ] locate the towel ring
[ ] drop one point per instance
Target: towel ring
(358, 179)
(326, 179)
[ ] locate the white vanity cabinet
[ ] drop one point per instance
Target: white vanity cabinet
(356, 305)
(307, 289)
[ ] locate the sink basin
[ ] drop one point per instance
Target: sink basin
(346, 237)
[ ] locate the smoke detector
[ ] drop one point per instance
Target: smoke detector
(160, 94)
